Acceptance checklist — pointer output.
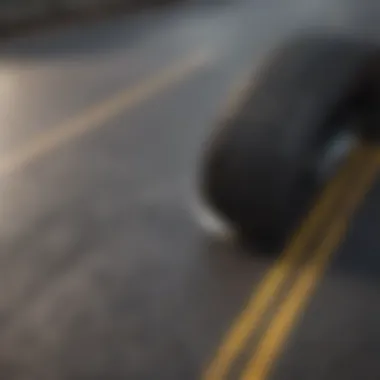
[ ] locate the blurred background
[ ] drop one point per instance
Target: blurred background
(105, 272)
(22, 12)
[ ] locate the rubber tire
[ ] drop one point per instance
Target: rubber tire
(257, 170)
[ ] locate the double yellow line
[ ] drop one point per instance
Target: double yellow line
(318, 237)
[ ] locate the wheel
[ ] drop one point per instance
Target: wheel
(297, 122)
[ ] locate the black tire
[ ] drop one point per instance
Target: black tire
(259, 168)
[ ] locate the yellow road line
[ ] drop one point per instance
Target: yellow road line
(96, 115)
(263, 298)
(259, 366)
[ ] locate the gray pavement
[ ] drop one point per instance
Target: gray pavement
(104, 270)
(339, 335)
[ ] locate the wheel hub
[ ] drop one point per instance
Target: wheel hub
(335, 152)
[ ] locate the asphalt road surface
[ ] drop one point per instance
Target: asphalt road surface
(105, 272)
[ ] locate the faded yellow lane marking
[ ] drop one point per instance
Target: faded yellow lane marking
(261, 299)
(273, 340)
(96, 115)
